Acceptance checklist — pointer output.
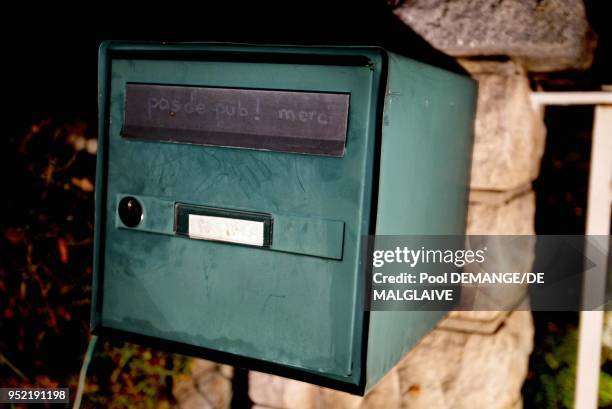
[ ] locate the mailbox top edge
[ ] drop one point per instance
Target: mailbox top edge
(356, 55)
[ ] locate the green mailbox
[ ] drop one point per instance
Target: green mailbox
(236, 187)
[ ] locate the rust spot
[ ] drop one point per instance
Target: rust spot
(414, 390)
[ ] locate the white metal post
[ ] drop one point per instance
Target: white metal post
(598, 224)
(594, 282)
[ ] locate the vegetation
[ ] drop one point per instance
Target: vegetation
(552, 375)
(45, 279)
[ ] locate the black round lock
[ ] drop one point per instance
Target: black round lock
(130, 211)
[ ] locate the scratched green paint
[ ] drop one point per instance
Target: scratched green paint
(300, 303)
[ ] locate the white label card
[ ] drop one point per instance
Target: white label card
(250, 232)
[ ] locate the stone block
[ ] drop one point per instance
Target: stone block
(188, 397)
(481, 322)
(461, 370)
(207, 387)
(545, 35)
(277, 392)
(199, 366)
(514, 216)
(509, 136)
(216, 389)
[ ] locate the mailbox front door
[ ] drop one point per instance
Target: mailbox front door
(237, 188)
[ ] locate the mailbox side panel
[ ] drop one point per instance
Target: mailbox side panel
(424, 176)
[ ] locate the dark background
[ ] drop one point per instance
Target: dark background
(51, 57)
(53, 71)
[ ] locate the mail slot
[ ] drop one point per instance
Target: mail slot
(237, 185)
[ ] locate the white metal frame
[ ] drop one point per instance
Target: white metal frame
(598, 224)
